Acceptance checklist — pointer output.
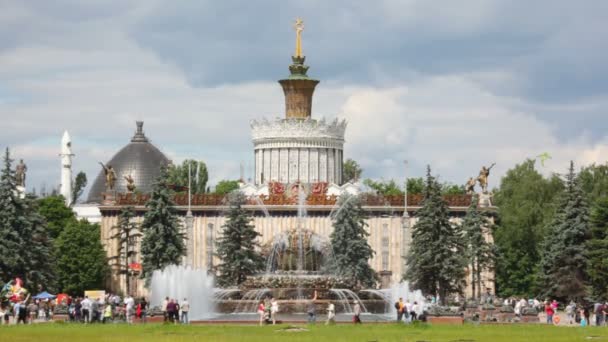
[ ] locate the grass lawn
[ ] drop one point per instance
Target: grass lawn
(369, 332)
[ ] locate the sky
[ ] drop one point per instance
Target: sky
(450, 84)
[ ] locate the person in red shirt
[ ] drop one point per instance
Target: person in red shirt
(549, 311)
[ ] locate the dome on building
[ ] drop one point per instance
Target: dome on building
(139, 159)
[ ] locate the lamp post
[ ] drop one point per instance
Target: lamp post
(405, 224)
(189, 220)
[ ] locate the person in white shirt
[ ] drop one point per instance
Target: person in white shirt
(185, 308)
(86, 309)
(331, 314)
(274, 308)
(408, 310)
(130, 303)
(164, 309)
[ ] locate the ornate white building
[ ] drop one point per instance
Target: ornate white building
(298, 148)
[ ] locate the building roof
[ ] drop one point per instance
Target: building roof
(139, 159)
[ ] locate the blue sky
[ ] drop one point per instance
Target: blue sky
(453, 84)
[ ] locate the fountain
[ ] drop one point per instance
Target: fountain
(299, 263)
(179, 282)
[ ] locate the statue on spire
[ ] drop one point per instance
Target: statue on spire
(299, 27)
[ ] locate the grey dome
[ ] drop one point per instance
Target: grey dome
(140, 159)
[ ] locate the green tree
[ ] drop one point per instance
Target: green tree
(563, 256)
(435, 261)
(479, 251)
(81, 261)
(525, 206)
(126, 233)
(385, 188)
(350, 247)
(56, 213)
(237, 246)
(597, 249)
(351, 171)
(225, 187)
(178, 175)
(415, 185)
(163, 241)
(452, 189)
(24, 244)
(79, 184)
(594, 181)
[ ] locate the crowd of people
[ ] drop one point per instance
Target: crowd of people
(174, 311)
(407, 311)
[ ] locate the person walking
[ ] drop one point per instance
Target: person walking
(549, 312)
(107, 313)
(164, 309)
(414, 312)
(357, 313)
(274, 309)
(331, 314)
(185, 309)
(130, 308)
(261, 312)
(570, 312)
(86, 309)
(312, 311)
(144, 310)
(400, 307)
(171, 307)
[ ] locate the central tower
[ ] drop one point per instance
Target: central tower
(298, 87)
(298, 148)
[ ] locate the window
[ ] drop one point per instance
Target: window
(385, 260)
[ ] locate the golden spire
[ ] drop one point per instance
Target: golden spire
(299, 27)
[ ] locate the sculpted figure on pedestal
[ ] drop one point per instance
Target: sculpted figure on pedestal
(20, 171)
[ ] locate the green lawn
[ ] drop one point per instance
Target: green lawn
(369, 332)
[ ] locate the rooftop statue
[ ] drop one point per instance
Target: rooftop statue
(20, 171)
(110, 176)
(483, 177)
(130, 183)
(470, 186)
(299, 27)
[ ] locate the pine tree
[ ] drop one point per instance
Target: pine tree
(126, 232)
(435, 261)
(237, 246)
(12, 223)
(163, 240)
(24, 244)
(349, 243)
(597, 249)
(563, 254)
(479, 251)
(81, 261)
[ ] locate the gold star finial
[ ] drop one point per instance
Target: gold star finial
(299, 27)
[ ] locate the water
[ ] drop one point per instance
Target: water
(402, 290)
(179, 282)
(346, 297)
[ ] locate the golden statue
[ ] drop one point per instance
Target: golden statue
(483, 177)
(470, 186)
(130, 183)
(110, 176)
(299, 27)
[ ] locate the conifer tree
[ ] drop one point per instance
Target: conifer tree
(597, 249)
(479, 251)
(435, 261)
(349, 243)
(163, 240)
(126, 232)
(24, 243)
(563, 252)
(12, 223)
(237, 246)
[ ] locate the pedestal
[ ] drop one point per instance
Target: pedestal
(485, 200)
(20, 191)
(109, 197)
(385, 279)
